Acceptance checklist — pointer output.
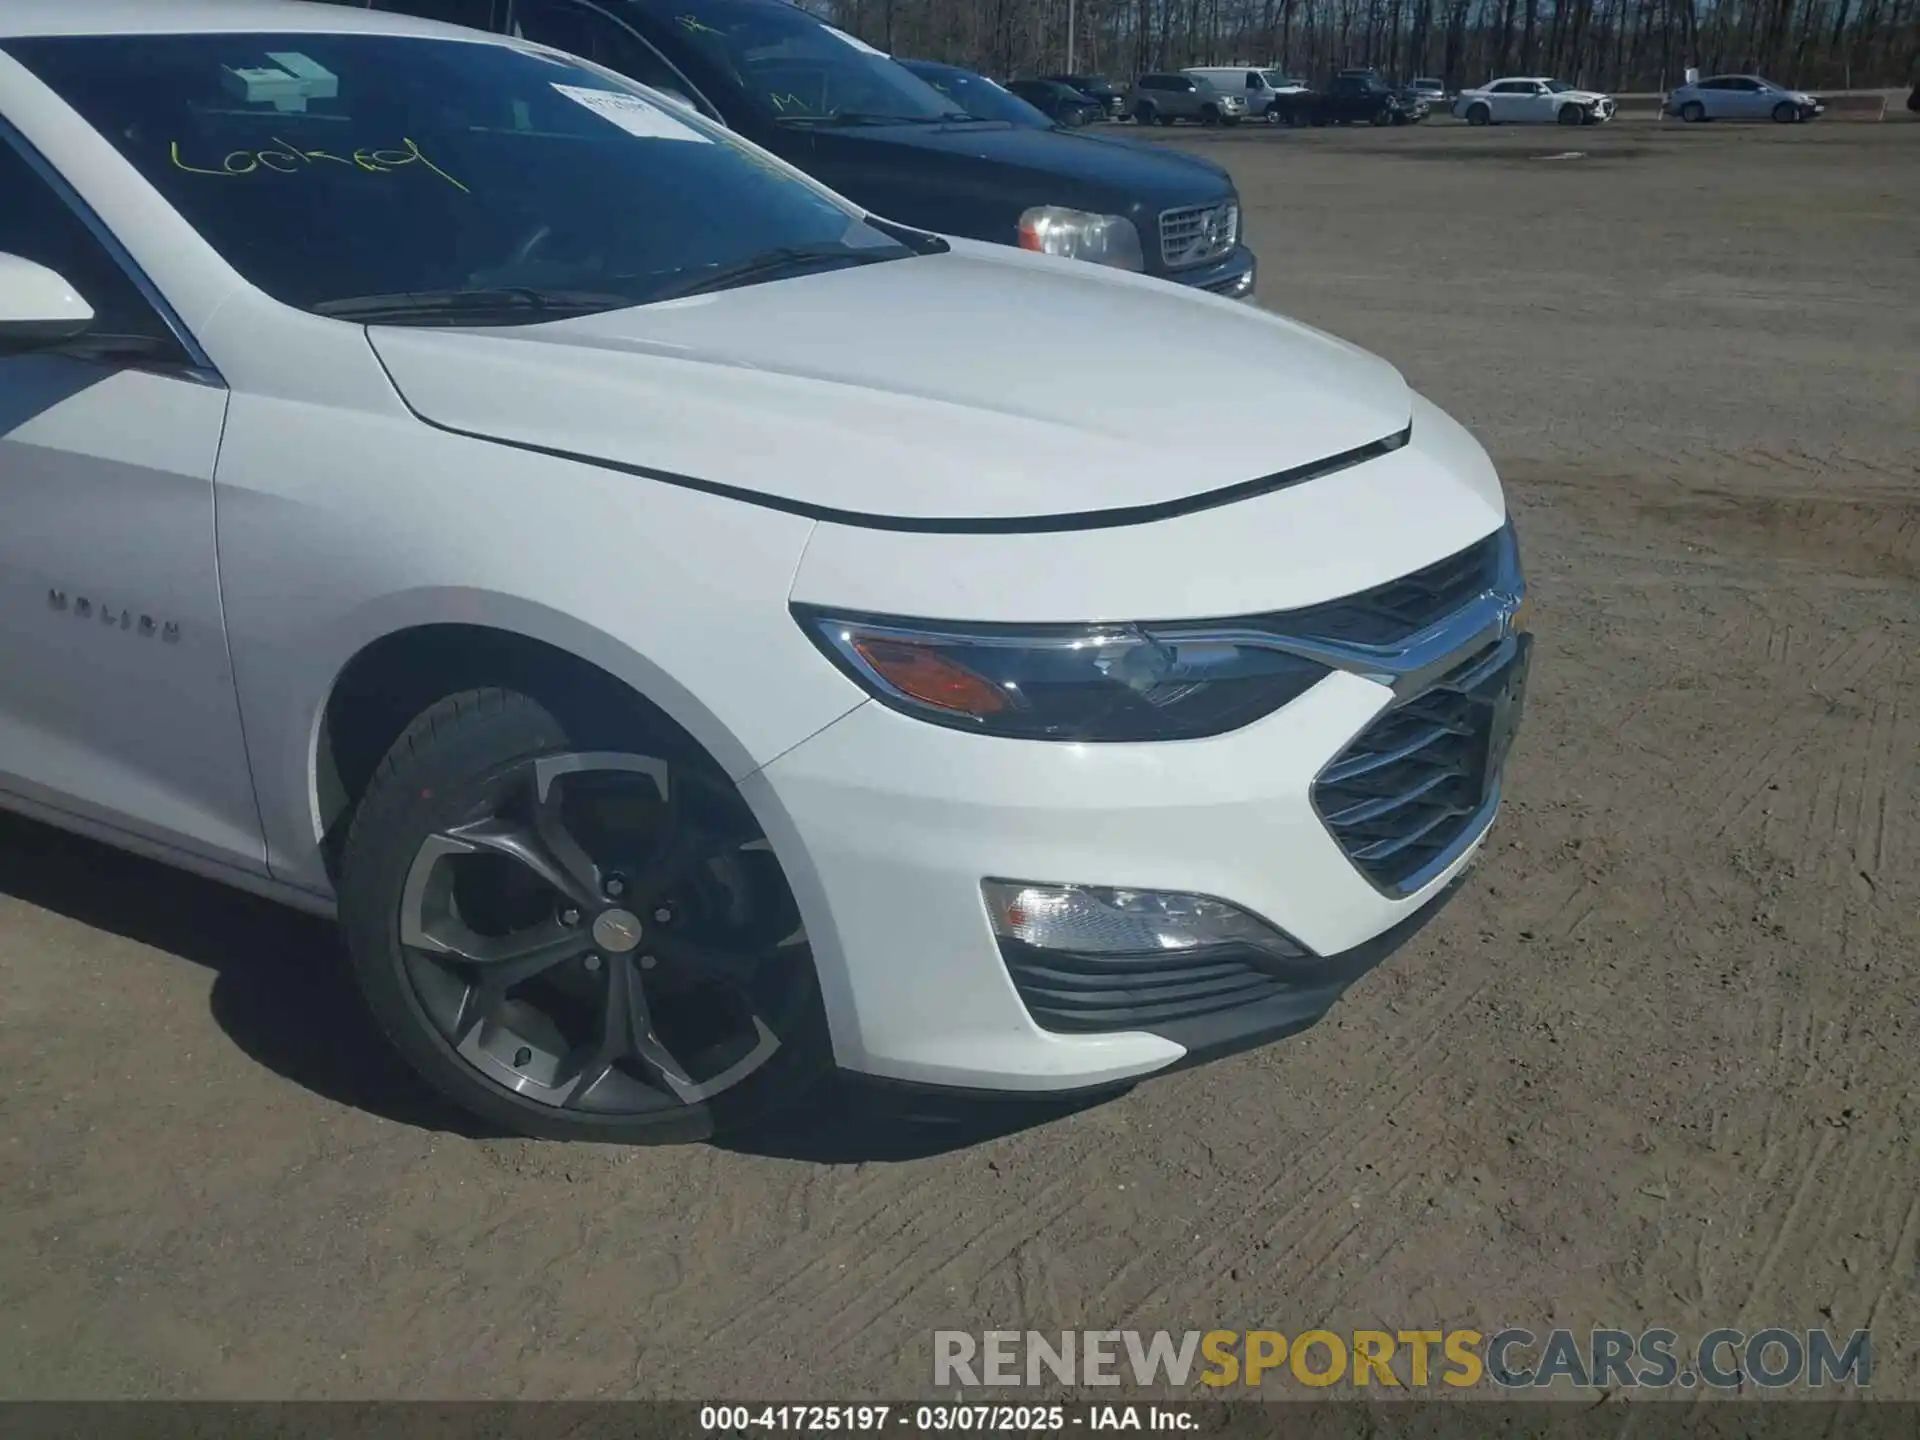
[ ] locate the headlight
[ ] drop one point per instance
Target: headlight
(1094, 920)
(1100, 683)
(1082, 235)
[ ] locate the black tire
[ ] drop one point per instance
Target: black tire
(463, 983)
(1169, 120)
(1271, 115)
(1209, 115)
(1571, 115)
(1382, 116)
(1786, 113)
(1479, 115)
(1143, 114)
(1693, 112)
(1297, 118)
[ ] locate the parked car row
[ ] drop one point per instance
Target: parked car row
(1225, 95)
(659, 606)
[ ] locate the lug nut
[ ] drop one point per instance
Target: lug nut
(662, 915)
(569, 916)
(647, 962)
(615, 886)
(592, 962)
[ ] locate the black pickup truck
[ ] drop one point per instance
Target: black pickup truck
(1353, 97)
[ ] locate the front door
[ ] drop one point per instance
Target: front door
(117, 702)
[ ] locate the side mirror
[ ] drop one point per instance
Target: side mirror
(38, 308)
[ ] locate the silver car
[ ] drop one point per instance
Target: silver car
(1165, 98)
(1742, 97)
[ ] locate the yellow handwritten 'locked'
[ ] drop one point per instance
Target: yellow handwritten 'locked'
(291, 160)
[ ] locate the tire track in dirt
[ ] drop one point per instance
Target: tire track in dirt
(1301, 1195)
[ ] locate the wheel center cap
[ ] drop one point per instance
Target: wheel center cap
(616, 930)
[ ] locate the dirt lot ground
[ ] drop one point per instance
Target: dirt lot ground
(1659, 1065)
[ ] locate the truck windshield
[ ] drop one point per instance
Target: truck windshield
(797, 70)
(425, 181)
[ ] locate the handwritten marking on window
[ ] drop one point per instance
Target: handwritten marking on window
(291, 159)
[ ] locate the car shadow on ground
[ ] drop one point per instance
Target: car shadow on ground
(282, 993)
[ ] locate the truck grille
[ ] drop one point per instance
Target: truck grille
(1406, 795)
(1400, 609)
(1195, 234)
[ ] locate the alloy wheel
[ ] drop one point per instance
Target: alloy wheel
(605, 934)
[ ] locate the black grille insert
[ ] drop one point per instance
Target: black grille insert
(1074, 993)
(1400, 609)
(1400, 799)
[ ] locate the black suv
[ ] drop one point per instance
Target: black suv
(1060, 103)
(846, 114)
(1096, 87)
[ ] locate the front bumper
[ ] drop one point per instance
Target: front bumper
(888, 825)
(1233, 275)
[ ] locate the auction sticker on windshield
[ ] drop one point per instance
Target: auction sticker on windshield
(632, 114)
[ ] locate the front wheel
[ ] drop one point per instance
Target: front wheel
(1693, 112)
(1209, 115)
(1479, 115)
(1143, 114)
(578, 937)
(1786, 113)
(1571, 115)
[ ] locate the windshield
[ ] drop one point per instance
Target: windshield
(330, 169)
(797, 70)
(979, 96)
(1277, 81)
(1558, 87)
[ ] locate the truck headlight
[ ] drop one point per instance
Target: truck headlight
(1082, 235)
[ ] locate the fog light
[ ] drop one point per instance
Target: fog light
(1096, 920)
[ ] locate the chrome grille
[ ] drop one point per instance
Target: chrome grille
(1415, 786)
(1195, 234)
(1400, 609)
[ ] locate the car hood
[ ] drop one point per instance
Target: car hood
(945, 388)
(1045, 166)
(1149, 147)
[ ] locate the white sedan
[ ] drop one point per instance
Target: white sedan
(666, 613)
(1532, 100)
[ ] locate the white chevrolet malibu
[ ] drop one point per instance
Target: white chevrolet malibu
(668, 614)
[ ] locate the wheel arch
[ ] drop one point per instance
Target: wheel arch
(417, 649)
(564, 664)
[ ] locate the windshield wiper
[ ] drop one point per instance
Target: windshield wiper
(513, 303)
(776, 264)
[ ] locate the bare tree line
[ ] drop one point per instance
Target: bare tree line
(1621, 45)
